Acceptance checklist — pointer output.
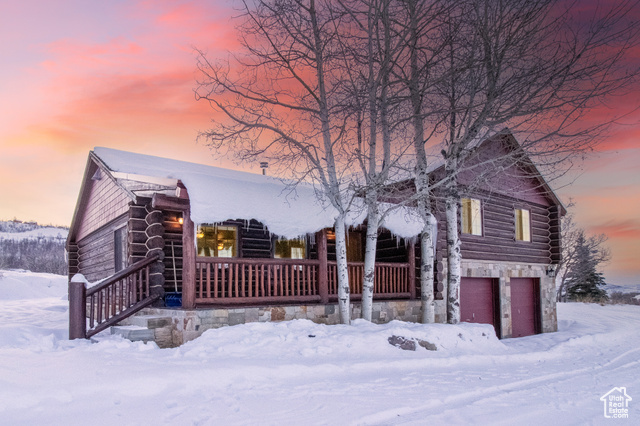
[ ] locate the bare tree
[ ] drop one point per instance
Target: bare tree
(283, 99)
(420, 31)
(536, 67)
(371, 48)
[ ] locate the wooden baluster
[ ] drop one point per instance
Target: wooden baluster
(280, 279)
(199, 279)
(99, 316)
(133, 289)
(229, 277)
(147, 292)
(122, 295)
(129, 292)
(215, 280)
(235, 279)
(285, 272)
(305, 274)
(92, 312)
(208, 280)
(386, 280)
(250, 280)
(301, 278)
(268, 279)
(313, 274)
(243, 282)
(392, 279)
(262, 292)
(223, 281)
(110, 306)
(405, 279)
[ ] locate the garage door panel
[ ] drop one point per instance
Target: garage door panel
(477, 300)
(524, 305)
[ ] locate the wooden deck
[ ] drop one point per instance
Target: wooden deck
(254, 281)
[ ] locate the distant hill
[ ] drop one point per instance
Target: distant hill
(18, 230)
(33, 247)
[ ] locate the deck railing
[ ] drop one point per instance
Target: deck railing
(256, 280)
(109, 302)
(391, 279)
(246, 281)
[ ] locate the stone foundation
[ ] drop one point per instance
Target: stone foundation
(173, 327)
(504, 271)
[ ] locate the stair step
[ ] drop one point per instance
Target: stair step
(133, 333)
(148, 321)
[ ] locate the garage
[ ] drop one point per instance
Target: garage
(478, 301)
(524, 306)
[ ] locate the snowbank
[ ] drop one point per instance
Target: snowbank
(298, 372)
(15, 285)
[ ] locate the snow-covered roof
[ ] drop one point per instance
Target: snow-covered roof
(218, 194)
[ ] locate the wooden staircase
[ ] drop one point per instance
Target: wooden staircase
(116, 298)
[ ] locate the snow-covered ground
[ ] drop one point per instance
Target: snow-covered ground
(302, 373)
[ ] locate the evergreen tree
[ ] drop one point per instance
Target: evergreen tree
(584, 282)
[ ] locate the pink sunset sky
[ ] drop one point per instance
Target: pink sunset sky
(77, 74)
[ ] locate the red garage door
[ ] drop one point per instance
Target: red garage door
(478, 301)
(524, 306)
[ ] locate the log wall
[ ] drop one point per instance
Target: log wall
(96, 255)
(498, 240)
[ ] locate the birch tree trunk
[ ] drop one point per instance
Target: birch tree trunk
(427, 300)
(373, 217)
(454, 255)
(344, 302)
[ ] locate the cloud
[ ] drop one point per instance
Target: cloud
(624, 229)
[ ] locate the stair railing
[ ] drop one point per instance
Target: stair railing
(112, 300)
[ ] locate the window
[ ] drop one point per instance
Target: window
(120, 248)
(471, 216)
(355, 246)
(290, 249)
(217, 241)
(523, 225)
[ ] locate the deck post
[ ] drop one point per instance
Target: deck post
(323, 267)
(77, 308)
(411, 259)
(188, 261)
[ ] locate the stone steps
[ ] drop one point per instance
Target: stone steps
(146, 328)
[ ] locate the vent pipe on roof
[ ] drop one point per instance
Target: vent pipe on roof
(264, 165)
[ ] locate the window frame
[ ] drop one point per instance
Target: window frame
(302, 240)
(216, 253)
(351, 235)
(480, 216)
(528, 224)
(120, 248)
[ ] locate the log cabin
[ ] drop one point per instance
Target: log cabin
(188, 247)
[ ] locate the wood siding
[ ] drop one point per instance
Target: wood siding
(105, 202)
(96, 258)
(498, 239)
